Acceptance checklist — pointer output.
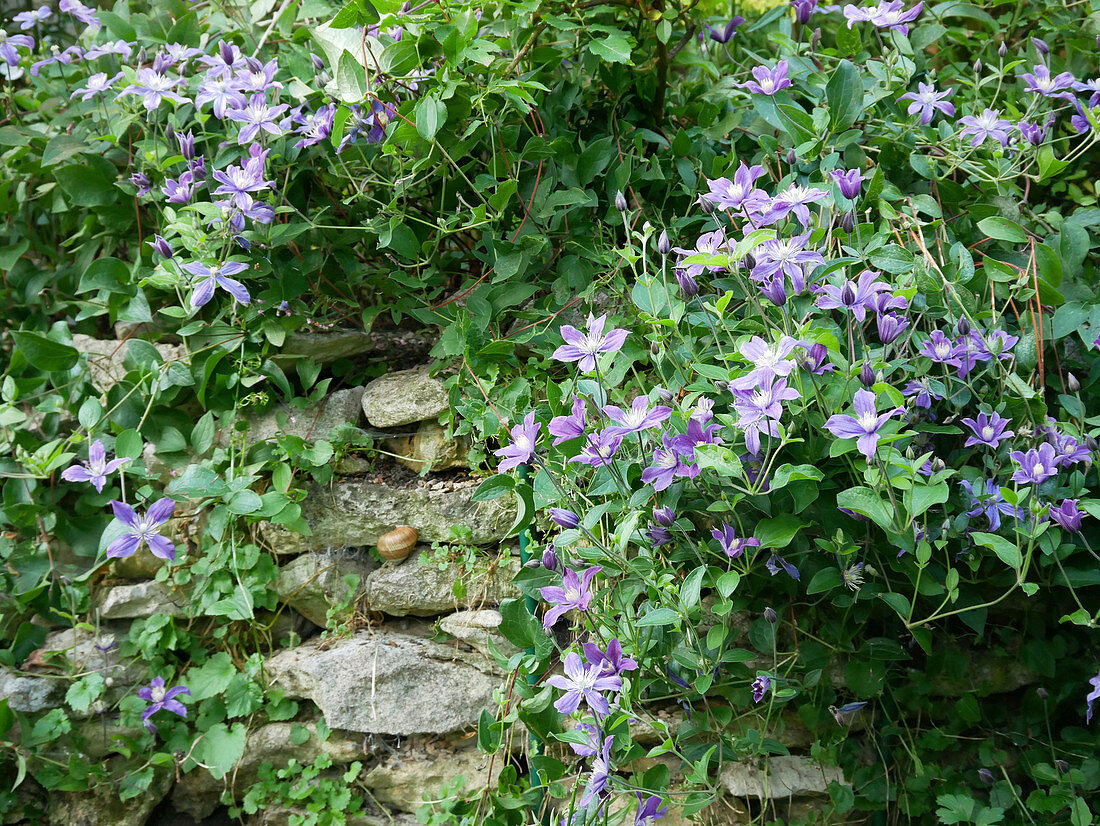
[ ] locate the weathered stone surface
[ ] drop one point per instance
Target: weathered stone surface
(75, 651)
(404, 778)
(313, 583)
(429, 448)
(414, 587)
(106, 358)
(354, 513)
(142, 599)
(404, 397)
(30, 693)
(478, 629)
(101, 805)
(310, 423)
(779, 776)
(324, 347)
(385, 682)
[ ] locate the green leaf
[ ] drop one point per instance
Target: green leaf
(212, 677)
(244, 501)
(517, 625)
(844, 94)
(197, 482)
(728, 582)
(202, 434)
(866, 501)
(494, 487)
(614, 47)
(921, 497)
(129, 444)
(351, 80)
(824, 580)
(778, 531)
(1007, 552)
(893, 259)
(1002, 229)
(84, 692)
(692, 586)
(220, 748)
(659, 616)
(88, 184)
(45, 353)
(430, 113)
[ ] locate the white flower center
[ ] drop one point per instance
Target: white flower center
(1040, 469)
(868, 420)
(158, 693)
(987, 432)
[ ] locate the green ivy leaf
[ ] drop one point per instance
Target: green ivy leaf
(44, 353)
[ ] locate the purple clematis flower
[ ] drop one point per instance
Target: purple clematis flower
(257, 116)
(141, 181)
(30, 19)
(1092, 696)
(849, 181)
(1068, 450)
(804, 10)
(315, 126)
(761, 686)
(96, 469)
(565, 428)
(776, 563)
(57, 56)
(258, 77)
(989, 124)
(740, 193)
(564, 517)
(760, 409)
(9, 45)
(786, 257)
(865, 427)
(890, 14)
(816, 360)
(855, 297)
(524, 439)
(928, 101)
(1033, 133)
(227, 62)
(574, 592)
(1040, 82)
(161, 247)
(998, 344)
(1091, 86)
(1067, 514)
(159, 698)
(144, 530)
(123, 48)
(81, 12)
(649, 810)
(667, 465)
(598, 781)
(97, 84)
(638, 418)
(941, 349)
(592, 743)
(890, 326)
(986, 498)
(988, 430)
(239, 182)
(178, 53)
(584, 347)
(733, 546)
(697, 434)
(793, 199)
(183, 190)
(583, 682)
(1035, 466)
(153, 88)
(769, 361)
(726, 33)
(599, 449)
(222, 92)
(212, 277)
(768, 81)
(611, 661)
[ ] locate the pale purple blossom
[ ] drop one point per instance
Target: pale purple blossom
(257, 116)
(1035, 466)
(637, 418)
(865, 426)
(761, 686)
(584, 347)
(1067, 514)
(611, 661)
(222, 92)
(258, 77)
(153, 88)
(740, 193)
(573, 593)
(143, 530)
(667, 466)
(315, 126)
(226, 62)
(988, 430)
(524, 438)
(848, 181)
(211, 277)
(83, 13)
(11, 43)
(890, 326)
(793, 199)
(583, 683)
(1040, 81)
(159, 698)
(96, 470)
(1092, 696)
(928, 101)
(30, 19)
(122, 48)
(709, 243)
(733, 545)
(649, 810)
(564, 517)
(769, 361)
(986, 498)
(855, 297)
(565, 428)
(787, 257)
(56, 56)
(599, 449)
(760, 409)
(95, 85)
(239, 182)
(768, 81)
(181, 191)
(989, 124)
(941, 349)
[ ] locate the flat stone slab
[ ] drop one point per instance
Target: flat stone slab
(313, 584)
(779, 776)
(142, 599)
(353, 513)
(404, 397)
(107, 357)
(385, 682)
(312, 423)
(416, 588)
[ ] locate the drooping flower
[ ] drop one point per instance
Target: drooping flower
(258, 77)
(611, 661)
(697, 434)
(865, 427)
(153, 88)
(30, 19)
(849, 181)
(524, 438)
(892, 15)
(928, 101)
(659, 533)
(227, 62)
(988, 430)
(213, 277)
(649, 810)
(598, 781)
(726, 33)
(776, 563)
(161, 247)
(565, 428)
(986, 498)
(97, 84)
(574, 592)
(159, 698)
(1035, 466)
(96, 469)
(179, 53)
(761, 686)
(768, 81)
(637, 418)
(816, 360)
(1092, 696)
(732, 545)
(890, 326)
(844, 714)
(1040, 81)
(564, 517)
(143, 530)
(989, 124)
(584, 347)
(855, 297)
(1067, 514)
(794, 199)
(57, 55)
(141, 181)
(583, 682)
(599, 449)
(592, 744)
(997, 344)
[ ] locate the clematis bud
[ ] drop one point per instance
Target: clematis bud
(620, 201)
(978, 66)
(867, 376)
(1041, 693)
(774, 291)
(848, 294)
(665, 516)
(141, 56)
(1061, 765)
(792, 158)
(1002, 50)
(1072, 385)
(664, 395)
(318, 63)
(1040, 46)
(815, 38)
(987, 776)
(565, 518)
(161, 247)
(750, 261)
(663, 244)
(706, 206)
(770, 615)
(963, 327)
(848, 222)
(550, 558)
(169, 133)
(186, 141)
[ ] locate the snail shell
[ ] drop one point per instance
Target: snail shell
(398, 543)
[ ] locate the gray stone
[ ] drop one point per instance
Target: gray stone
(325, 347)
(313, 583)
(107, 358)
(406, 777)
(28, 693)
(311, 423)
(478, 629)
(779, 776)
(404, 397)
(385, 682)
(429, 448)
(354, 513)
(142, 599)
(418, 588)
(101, 806)
(281, 816)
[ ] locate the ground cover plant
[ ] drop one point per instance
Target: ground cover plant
(779, 322)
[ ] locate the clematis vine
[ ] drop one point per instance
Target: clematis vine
(96, 470)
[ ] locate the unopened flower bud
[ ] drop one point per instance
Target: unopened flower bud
(318, 63)
(1002, 50)
(664, 395)
(664, 516)
(1061, 765)
(565, 518)
(867, 376)
(1091, 443)
(186, 141)
(1040, 46)
(620, 201)
(978, 66)
(1042, 693)
(792, 158)
(706, 206)
(141, 56)
(774, 291)
(663, 244)
(550, 558)
(1072, 385)
(848, 222)
(987, 776)
(169, 133)
(770, 615)
(963, 327)
(750, 261)
(848, 294)
(161, 247)
(815, 38)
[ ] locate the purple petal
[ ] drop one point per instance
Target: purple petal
(124, 513)
(161, 511)
(161, 547)
(124, 546)
(97, 453)
(77, 473)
